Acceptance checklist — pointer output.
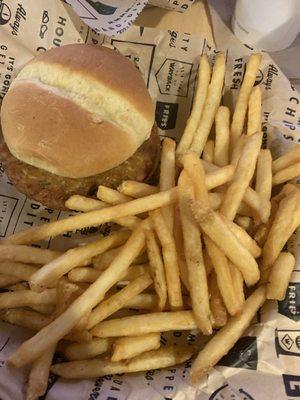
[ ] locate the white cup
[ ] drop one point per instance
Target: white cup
(270, 25)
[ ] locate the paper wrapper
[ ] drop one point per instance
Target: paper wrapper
(264, 364)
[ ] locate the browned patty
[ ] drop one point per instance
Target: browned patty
(53, 190)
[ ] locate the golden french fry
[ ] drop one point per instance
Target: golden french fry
(102, 261)
(156, 268)
(214, 226)
(198, 105)
(212, 103)
(238, 283)
(244, 222)
(18, 270)
(84, 204)
(193, 255)
(224, 279)
(83, 351)
(219, 177)
(286, 174)
(208, 167)
(137, 189)
(260, 205)
(237, 149)
(118, 300)
(207, 263)
(239, 114)
(215, 200)
(194, 168)
(111, 196)
(167, 177)
(161, 358)
(129, 347)
(280, 276)
(222, 120)
(286, 220)
(146, 323)
(93, 218)
(217, 305)
(287, 159)
(52, 271)
(27, 254)
(7, 280)
(263, 184)
(56, 330)
(242, 176)
(170, 259)
(254, 111)
(144, 301)
(178, 237)
(209, 151)
(39, 374)
(225, 339)
(22, 298)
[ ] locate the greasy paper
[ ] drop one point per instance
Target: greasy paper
(264, 364)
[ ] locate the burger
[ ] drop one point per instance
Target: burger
(77, 117)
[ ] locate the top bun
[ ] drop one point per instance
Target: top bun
(77, 111)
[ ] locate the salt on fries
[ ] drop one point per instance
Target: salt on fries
(182, 254)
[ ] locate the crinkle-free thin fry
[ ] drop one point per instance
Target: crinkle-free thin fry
(286, 174)
(209, 151)
(23, 298)
(217, 305)
(83, 351)
(129, 347)
(198, 105)
(222, 121)
(219, 177)
(212, 103)
(161, 358)
(111, 196)
(225, 339)
(27, 254)
(17, 269)
(84, 204)
(137, 189)
(93, 218)
(238, 118)
(56, 330)
(280, 276)
(287, 159)
(254, 111)
(193, 254)
(263, 181)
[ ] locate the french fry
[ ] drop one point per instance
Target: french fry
(193, 255)
(194, 168)
(146, 323)
(222, 120)
(245, 239)
(245, 222)
(286, 160)
(237, 149)
(207, 263)
(225, 339)
(93, 218)
(84, 204)
(39, 374)
(52, 271)
(7, 280)
(102, 261)
(129, 347)
(286, 174)
(83, 351)
(238, 283)
(286, 220)
(280, 276)
(16, 269)
(263, 184)
(219, 177)
(214, 226)
(22, 298)
(224, 279)
(170, 259)
(198, 105)
(242, 176)
(254, 111)
(111, 196)
(156, 268)
(167, 177)
(212, 103)
(217, 305)
(260, 205)
(27, 254)
(118, 300)
(239, 114)
(215, 200)
(144, 301)
(209, 151)
(56, 330)
(178, 237)
(161, 358)
(208, 167)
(137, 189)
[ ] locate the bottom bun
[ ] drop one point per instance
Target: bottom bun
(53, 190)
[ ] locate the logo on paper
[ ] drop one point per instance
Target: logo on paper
(102, 8)
(290, 306)
(292, 385)
(242, 355)
(287, 342)
(7, 208)
(226, 393)
(5, 13)
(166, 115)
(173, 77)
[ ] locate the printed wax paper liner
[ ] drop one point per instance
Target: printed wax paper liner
(264, 364)
(113, 17)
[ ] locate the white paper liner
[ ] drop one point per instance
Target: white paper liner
(265, 362)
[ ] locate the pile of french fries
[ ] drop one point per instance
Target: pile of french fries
(182, 255)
